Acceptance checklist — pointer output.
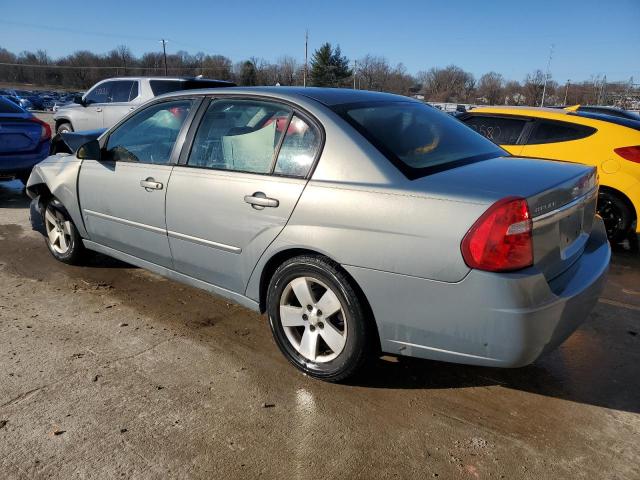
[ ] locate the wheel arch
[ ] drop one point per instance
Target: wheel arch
(623, 196)
(282, 256)
(61, 120)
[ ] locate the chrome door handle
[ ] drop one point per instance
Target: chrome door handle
(259, 200)
(150, 184)
(98, 109)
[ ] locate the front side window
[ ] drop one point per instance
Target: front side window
(149, 135)
(239, 135)
(500, 130)
(551, 132)
(417, 138)
(99, 94)
(120, 91)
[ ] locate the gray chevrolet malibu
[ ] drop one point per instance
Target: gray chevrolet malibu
(360, 222)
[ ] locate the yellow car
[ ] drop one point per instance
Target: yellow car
(612, 144)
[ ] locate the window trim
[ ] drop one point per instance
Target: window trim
(295, 110)
(180, 139)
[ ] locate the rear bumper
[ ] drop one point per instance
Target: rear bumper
(15, 163)
(502, 320)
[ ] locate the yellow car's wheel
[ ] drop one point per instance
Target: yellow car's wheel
(617, 215)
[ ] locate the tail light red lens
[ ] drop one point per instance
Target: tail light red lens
(629, 153)
(46, 129)
(501, 239)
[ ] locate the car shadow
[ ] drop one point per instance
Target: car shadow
(12, 195)
(613, 385)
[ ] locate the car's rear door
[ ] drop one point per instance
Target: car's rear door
(122, 92)
(236, 187)
(506, 131)
(122, 196)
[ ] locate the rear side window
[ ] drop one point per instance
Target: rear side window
(7, 106)
(298, 149)
(239, 135)
(121, 90)
(551, 132)
(500, 130)
(160, 87)
(415, 137)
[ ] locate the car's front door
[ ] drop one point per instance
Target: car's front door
(91, 116)
(122, 92)
(122, 196)
(236, 187)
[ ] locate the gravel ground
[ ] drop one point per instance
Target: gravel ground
(108, 371)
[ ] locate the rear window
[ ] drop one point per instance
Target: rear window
(160, 87)
(552, 132)
(7, 106)
(500, 130)
(417, 138)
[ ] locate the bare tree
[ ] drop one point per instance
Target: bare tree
(532, 87)
(490, 88)
(450, 84)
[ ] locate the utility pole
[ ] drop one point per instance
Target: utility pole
(164, 51)
(355, 70)
(306, 51)
(546, 75)
(566, 92)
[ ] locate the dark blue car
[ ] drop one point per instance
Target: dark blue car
(24, 141)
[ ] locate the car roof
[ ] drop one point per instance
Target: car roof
(581, 117)
(324, 95)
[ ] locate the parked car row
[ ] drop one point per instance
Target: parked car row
(39, 100)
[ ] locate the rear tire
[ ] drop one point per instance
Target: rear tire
(64, 127)
(617, 215)
(332, 345)
(62, 237)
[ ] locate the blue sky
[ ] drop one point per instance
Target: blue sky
(510, 37)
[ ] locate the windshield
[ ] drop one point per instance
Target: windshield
(417, 138)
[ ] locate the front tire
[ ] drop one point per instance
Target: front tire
(318, 320)
(64, 127)
(616, 214)
(62, 237)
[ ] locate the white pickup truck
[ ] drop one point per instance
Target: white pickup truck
(104, 104)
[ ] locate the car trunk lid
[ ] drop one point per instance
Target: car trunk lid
(18, 133)
(561, 197)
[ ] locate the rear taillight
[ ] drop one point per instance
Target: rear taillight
(45, 133)
(629, 153)
(501, 238)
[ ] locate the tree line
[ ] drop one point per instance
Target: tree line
(328, 67)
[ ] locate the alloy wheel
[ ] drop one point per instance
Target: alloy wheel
(58, 230)
(313, 319)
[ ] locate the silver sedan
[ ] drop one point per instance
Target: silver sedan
(359, 222)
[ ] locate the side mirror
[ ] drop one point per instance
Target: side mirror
(89, 151)
(78, 99)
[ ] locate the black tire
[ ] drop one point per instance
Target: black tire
(75, 252)
(360, 341)
(64, 127)
(617, 215)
